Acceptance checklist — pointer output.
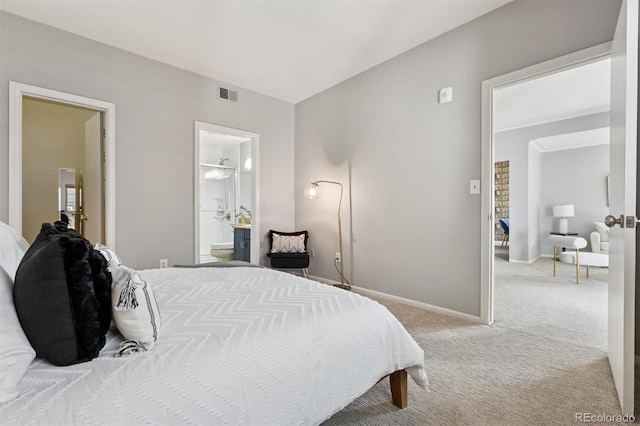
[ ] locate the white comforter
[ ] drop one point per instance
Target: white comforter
(237, 346)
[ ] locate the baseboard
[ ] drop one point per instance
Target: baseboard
(527, 262)
(323, 280)
(410, 302)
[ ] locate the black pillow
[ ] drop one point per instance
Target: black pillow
(62, 295)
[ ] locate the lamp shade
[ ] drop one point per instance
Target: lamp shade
(563, 210)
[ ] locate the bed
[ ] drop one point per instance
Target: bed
(238, 345)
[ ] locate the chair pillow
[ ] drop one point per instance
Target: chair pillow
(288, 243)
(15, 351)
(12, 248)
(135, 309)
(62, 295)
(603, 230)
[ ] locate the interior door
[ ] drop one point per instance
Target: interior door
(623, 195)
(79, 214)
(92, 197)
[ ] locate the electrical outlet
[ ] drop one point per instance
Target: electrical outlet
(338, 257)
(312, 252)
(164, 263)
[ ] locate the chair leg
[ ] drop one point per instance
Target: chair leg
(577, 267)
(305, 272)
(555, 253)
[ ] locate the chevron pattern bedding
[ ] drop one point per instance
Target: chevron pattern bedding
(238, 346)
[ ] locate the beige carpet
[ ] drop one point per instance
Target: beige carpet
(542, 361)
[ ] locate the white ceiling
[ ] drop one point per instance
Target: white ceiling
(220, 139)
(572, 140)
(288, 49)
(572, 93)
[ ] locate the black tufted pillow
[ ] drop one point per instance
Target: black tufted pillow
(62, 295)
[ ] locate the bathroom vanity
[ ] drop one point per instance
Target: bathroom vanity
(242, 242)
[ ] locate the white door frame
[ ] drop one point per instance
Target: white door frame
(16, 93)
(571, 60)
(255, 187)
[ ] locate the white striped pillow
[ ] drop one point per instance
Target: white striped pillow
(134, 309)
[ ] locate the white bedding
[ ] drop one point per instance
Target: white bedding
(237, 346)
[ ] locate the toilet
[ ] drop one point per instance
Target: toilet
(222, 251)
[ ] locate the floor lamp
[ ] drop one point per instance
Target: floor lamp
(313, 191)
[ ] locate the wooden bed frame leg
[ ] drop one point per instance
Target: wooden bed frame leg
(398, 382)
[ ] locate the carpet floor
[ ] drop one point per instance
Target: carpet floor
(541, 363)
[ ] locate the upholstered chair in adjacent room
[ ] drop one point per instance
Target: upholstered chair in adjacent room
(505, 228)
(600, 238)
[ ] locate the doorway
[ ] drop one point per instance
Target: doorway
(62, 168)
(623, 254)
(97, 176)
(225, 194)
(530, 246)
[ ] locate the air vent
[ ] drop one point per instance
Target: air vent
(229, 95)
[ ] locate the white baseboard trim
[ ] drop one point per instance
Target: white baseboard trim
(410, 302)
(528, 262)
(547, 256)
(323, 280)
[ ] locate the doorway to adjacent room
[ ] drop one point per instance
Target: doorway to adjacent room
(62, 158)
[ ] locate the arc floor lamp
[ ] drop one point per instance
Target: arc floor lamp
(313, 191)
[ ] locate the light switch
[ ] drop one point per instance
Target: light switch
(474, 187)
(445, 95)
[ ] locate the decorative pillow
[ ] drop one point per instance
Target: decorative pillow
(108, 254)
(288, 243)
(62, 295)
(135, 310)
(603, 230)
(12, 248)
(15, 351)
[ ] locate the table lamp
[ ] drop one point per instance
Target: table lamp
(563, 211)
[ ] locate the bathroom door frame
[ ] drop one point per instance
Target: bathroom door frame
(17, 91)
(255, 187)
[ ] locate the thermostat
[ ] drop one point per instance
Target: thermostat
(445, 95)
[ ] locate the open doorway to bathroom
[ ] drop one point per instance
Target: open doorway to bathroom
(225, 193)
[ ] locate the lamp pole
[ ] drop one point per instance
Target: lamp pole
(339, 226)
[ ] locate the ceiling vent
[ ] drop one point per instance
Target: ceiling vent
(229, 95)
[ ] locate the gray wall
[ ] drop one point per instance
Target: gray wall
(516, 151)
(156, 106)
(534, 196)
(525, 214)
(411, 227)
(578, 177)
